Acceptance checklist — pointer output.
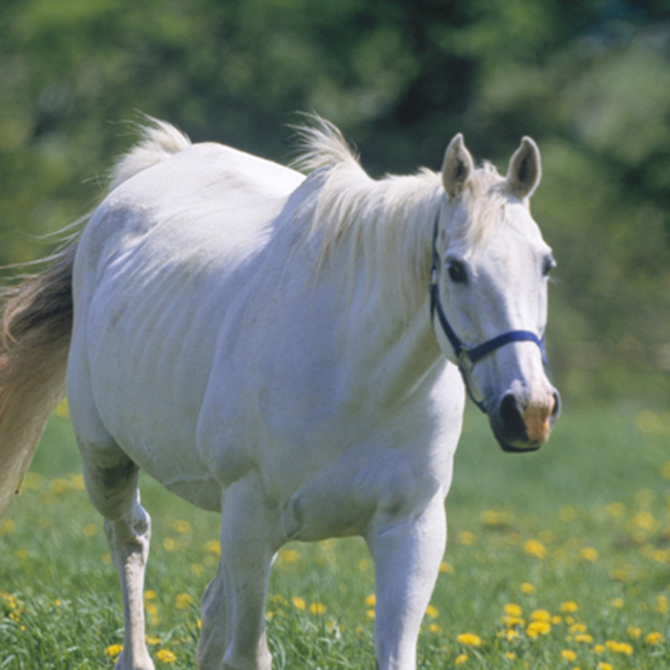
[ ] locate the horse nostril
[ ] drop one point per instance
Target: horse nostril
(556, 410)
(510, 415)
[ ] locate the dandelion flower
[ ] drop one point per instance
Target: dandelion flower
(371, 600)
(540, 615)
(654, 638)
(113, 650)
(432, 612)
(166, 656)
(184, 601)
(536, 628)
(569, 607)
(569, 655)
(299, 603)
(512, 609)
(213, 547)
(461, 659)
(619, 647)
(469, 640)
(589, 554)
(535, 548)
(317, 608)
(435, 628)
(528, 588)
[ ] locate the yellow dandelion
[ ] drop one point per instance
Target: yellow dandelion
(152, 639)
(535, 548)
(589, 554)
(569, 607)
(181, 526)
(644, 520)
(184, 601)
(150, 595)
(512, 609)
(114, 650)
(62, 409)
(567, 514)
(528, 588)
(170, 544)
(58, 486)
(635, 632)
(569, 655)
(90, 529)
(584, 638)
(654, 638)
(540, 615)
(510, 655)
(446, 568)
(661, 605)
(467, 538)
(299, 603)
(213, 547)
(432, 612)
(435, 628)
(615, 509)
(371, 600)
(509, 634)
(289, 556)
(166, 656)
(370, 614)
(469, 640)
(619, 647)
(537, 628)
(8, 527)
(461, 659)
(317, 608)
(495, 518)
(198, 569)
(605, 666)
(598, 648)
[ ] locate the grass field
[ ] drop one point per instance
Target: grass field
(560, 559)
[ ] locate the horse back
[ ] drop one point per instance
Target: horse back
(163, 263)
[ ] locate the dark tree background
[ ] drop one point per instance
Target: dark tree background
(588, 79)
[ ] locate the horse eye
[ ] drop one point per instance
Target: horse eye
(548, 266)
(457, 272)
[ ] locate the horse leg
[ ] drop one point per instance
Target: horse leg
(233, 625)
(212, 643)
(407, 554)
(114, 492)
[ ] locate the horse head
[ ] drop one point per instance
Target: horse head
(489, 282)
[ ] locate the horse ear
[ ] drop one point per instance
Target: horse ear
(525, 169)
(457, 166)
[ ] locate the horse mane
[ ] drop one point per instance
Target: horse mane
(389, 222)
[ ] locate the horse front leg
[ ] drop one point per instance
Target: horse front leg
(407, 554)
(233, 607)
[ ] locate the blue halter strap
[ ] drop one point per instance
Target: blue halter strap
(467, 356)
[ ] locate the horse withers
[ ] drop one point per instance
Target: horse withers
(291, 351)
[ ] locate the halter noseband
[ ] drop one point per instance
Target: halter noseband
(466, 357)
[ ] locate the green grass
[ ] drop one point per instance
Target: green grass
(584, 521)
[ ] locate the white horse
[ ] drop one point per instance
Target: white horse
(264, 344)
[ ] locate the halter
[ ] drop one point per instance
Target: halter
(466, 357)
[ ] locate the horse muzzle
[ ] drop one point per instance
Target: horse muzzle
(522, 425)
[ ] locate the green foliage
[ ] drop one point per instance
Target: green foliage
(553, 532)
(589, 80)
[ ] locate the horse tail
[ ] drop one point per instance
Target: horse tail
(36, 318)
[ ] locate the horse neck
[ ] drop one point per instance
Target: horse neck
(390, 344)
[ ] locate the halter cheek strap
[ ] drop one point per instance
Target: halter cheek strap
(466, 357)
